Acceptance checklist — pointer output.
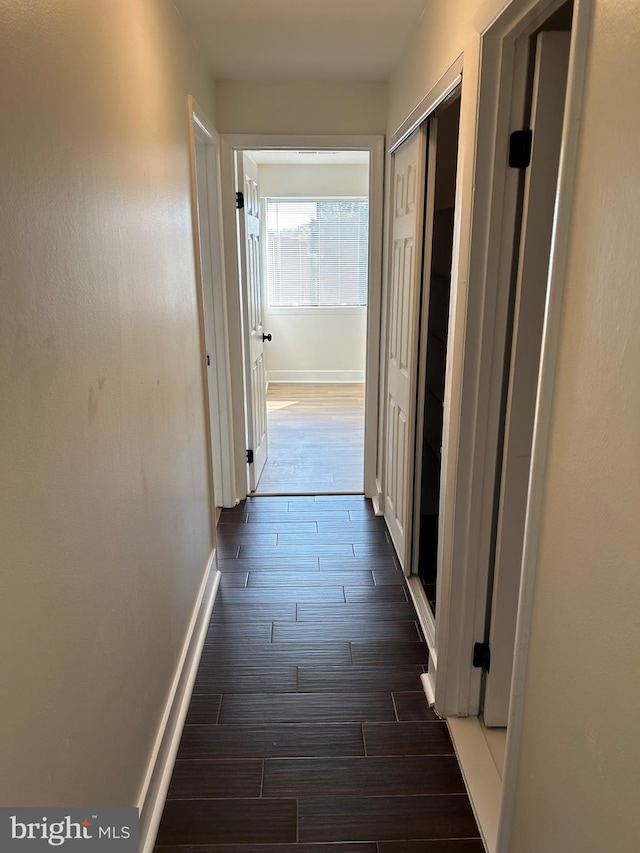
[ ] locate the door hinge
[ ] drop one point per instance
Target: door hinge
(250, 457)
(482, 656)
(520, 143)
(239, 200)
(208, 360)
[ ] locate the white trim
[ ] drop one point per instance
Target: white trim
(445, 86)
(429, 687)
(156, 783)
(230, 143)
(425, 616)
(581, 27)
(472, 411)
(480, 774)
(326, 376)
(217, 380)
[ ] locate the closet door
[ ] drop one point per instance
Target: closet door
(408, 182)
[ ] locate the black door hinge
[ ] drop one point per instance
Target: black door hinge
(520, 148)
(208, 360)
(250, 457)
(482, 656)
(239, 200)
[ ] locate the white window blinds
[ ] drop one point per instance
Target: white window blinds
(317, 252)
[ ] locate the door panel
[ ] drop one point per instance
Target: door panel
(404, 297)
(552, 59)
(253, 309)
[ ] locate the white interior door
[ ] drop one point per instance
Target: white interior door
(541, 178)
(408, 182)
(253, 313)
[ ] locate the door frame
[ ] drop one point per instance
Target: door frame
(478, 322)
(214, 343)
(470, 456)
(230, 144)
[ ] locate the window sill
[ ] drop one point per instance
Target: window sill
(316, 310)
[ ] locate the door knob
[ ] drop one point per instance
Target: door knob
(266, 337)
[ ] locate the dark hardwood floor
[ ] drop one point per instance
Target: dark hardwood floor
(308, 730)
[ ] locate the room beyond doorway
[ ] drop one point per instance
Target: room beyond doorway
(316, 438)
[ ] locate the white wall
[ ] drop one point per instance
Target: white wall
(580, 770)
(300, 107)
(104, 517)
(322, 345)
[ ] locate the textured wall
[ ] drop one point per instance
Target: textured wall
(104, 503)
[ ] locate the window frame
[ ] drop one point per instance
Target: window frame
(311, 309)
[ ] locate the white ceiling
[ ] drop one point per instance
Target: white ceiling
(301, 39)
(307, 158)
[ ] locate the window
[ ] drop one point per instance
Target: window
(317, 252)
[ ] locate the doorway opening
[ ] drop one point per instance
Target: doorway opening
(304, 276)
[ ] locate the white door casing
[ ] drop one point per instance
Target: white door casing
(407, 227)
(210, 274)
(253, 316)
(541, 179)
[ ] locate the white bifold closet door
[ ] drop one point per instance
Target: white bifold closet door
(407, 229)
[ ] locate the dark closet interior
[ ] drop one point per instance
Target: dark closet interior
(443, 155)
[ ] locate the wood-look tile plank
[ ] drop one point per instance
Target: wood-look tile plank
(383, 610)
(333, 504)
(375, 526)
(423, 738)
(413, 707)
(271, 741)
(203, 710)
(225, 611)
(275, 527)
(293, 517)
(213, 678)
(240, 533)
(365, 515)
(305, 549)
(287, 577)
(344, 535)
(354, 630)
(300, 564)
(235, 580)
(386, 818)
(356, 594)
(388, 653)
(377, 563)
(278, 654)
(227, 551)
(274, 848)
(350, 679)
(297, 595)
(455, 845)
(223, 631)
(367, 777)
(193, 780)
(229, 821)
(307, 708)
(373, 547)
(385, 577)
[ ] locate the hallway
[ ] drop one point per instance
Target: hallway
(308, 728)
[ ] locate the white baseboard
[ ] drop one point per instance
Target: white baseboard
(480, 775)
(329, 376)
(156, 784)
